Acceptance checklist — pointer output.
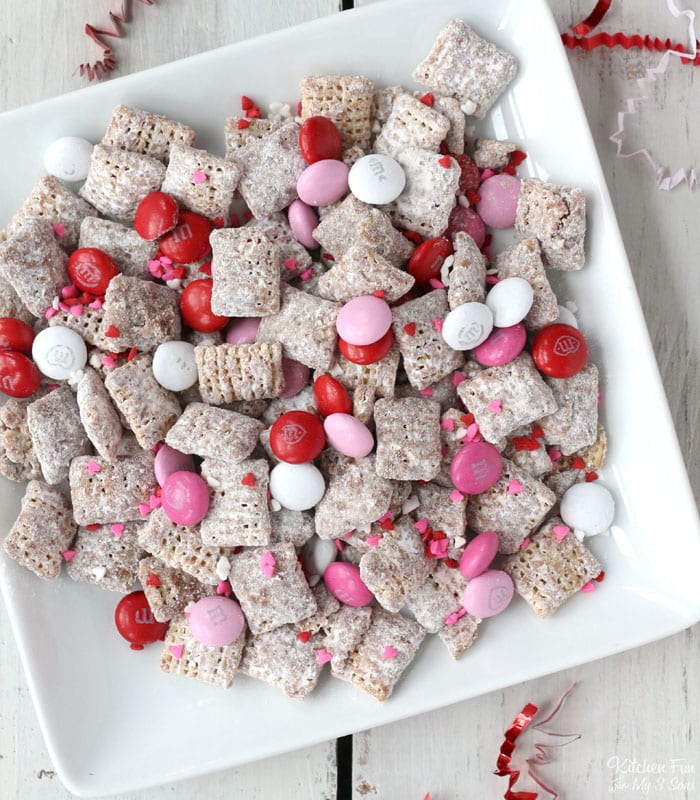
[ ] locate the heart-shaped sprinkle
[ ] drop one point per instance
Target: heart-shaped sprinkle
(515, 487)
(304, 636)
(427, 392)
(59, 230)
(198, 176)
(306, 274)
(445, 161)
(290, 264)
(373, 541)
(153, 580)
(144, 509)
(448, 424)
(248, 479)
(578, 463)
(588, 587)
(380, 293)
(456, 496)
(388, 652)
(410, 328)
(93, 526)
(323, 656)
(93, 467)
(68, 554)
(224, 588)
(560, 531)
(268, 564)
(112, 332)
(177, 650)
(525, 543)
(455, 616)
(495, 406)
(421, 525)
(457, 378)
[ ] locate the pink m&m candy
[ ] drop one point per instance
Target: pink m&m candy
(363, 320)
(349, 435)
(343, 581)
(502, 346)
(467, 220)
(323, 182)
(476, 467)
(488, 594)
(169, 460)
(478, 554)
(185, 498)
(216, 621)
(499, 200)
(296, 376)
(242, 330)
(303, 220)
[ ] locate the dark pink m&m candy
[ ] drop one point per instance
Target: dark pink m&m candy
(476, 467)
(185, 498)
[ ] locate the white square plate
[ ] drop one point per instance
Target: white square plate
(113, 723)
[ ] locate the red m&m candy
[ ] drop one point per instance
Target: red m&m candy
(297, 437)
(195, 307)
(331, 396)
(189, 241)
(319, 138)
(16, 335)
(560, 351)
(136, 623)
(91, 270)
(156, 214)
(428, 258)
(367, 353)
(19, 376)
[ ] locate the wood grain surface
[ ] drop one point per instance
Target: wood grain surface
(639, 705)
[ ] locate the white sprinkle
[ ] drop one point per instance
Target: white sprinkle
(99, 572)
(175, 283)
(314, 579)
(573, 308)
(462, 200)
(75, 377)
(469, 107)
(459, 541)
(54, 303)
(411, 504)
(376, 126)
(579, 534)
(275, 505)
(298, 120)
(492, 271)
(223, 568)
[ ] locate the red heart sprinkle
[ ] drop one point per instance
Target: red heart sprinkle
(112, 332)
(467, 419)
(451, 563)
(412, 236)
(591, 476)
(386, 525)
(509, 170)
(304, 636)
(217, 222)
(445, 161)
(380, 293)
(94, 526)
(410, 328)
(537, 432)
(578, 463)
(253, 113)
(517, 157)
(153, 580)
(428, 99)
(473, 197)
(246, 103)
(600, 576)
(242, 124)
(248, 479)
(131, 355)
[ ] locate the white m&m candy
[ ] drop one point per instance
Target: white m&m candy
(510, 300)
(297, 487)
(318, 554)
(59, 352)
(68, 158)
(376, 179)
(467, 326)
(174, 366)
(588, 507)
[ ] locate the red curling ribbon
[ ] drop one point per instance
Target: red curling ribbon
(635, 41)
(593, 19)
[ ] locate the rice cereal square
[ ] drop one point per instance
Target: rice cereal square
(145, 132)
(411, 124)
(99, 417)
(168, 590)
(229, 372)
(467, 278)
(575, 424)
(105, 559)
(122, 244)
(523, 260)
(408, 438)
(360, 271)
(345, 99)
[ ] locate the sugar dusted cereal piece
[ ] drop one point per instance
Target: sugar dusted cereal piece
(575, 423)
(493, 154)
(119, 180)
(201, 181)
(184, 655)
(238, 512)
(100, 419)
(326, 608)
(56, 204)
(443, 392)
(296, 527)
(367, 667)
(460, 635)
(467, 282)
(246, 271)
(376, 231)
(168, 590)
(425, 204)
(111, 491)
(441, 509)
(43, 530)
(294, 257)
(238, 131)
(550, 571)
(468, 67)
(345, 99)
(271, 166)
(363, 271)
(439, 596)
(34, 265)
(528, 452)
(304, 326)
(556, 217)
(269, 602)
(355, 496)
(427, 358)
(408, 438)
(396, 565)
(562, 481)
(181, 547)
(281, 659)
(89, 325)
(18, 461)
(56, 432)
(345, 630)
(148, 408)
(524, 396)
(122, 244)
(146, 133)
(109, 561)
(523, 260)
(513, 507)
(229, 372)
(449, 107)
(382, 104)
(411, 124)
(10, 303)
(139, 314)
(214, 433)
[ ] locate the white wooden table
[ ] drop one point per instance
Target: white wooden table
(641, 705)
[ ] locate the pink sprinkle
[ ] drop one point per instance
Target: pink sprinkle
(95, 304)
(455, 616)
(165, 260)
(492, 279)
(117, 529)
(443, 452)
(554, 455)
(52, 386)
(588, 587)
(348, 535)
(436, 284)
(269, 495)
(50, 311)
(198, 176)
(388, 652)
(144, 509)
(76, 310)
(176, 650)
(448, 424)
(290, 263)
(64, 307)
(525, 543)
(306, 274)
(68, 554)
(268, 564)
(69, 291)
(155, 268)
(427, 392)
(438, 547)
(486, 173)
(59, 229)
(495, 406)
(339, 546)
(108, 361)
(600, 396)
(93, 467)
(421, 525)
(223, 587)
(456, 496)
(437, 324)
(168, 275)
(457, 378)
(373, 541)
(154, 501)
(385, 517)
(473, 432)
(323, 656)
(515, 487)
(560, 531)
